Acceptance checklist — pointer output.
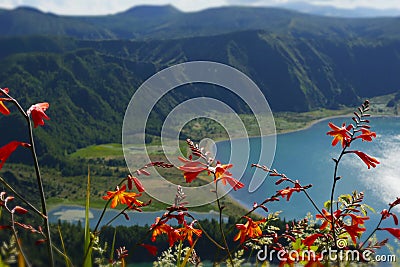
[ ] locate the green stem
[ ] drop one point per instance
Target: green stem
(221, 222)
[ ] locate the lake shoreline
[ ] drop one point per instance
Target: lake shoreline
(313, 122)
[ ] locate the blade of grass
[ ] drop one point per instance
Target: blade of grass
(63, 247)
(188, 254)
(113, 245)
(88, 249)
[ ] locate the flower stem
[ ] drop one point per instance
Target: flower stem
(220, 208)
(41, 191)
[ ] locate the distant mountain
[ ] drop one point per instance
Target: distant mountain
(28, 21)
(166, 22)
(331, 11)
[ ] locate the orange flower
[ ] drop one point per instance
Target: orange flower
(340, 134)
(356, 219)
(221, 173)
(187, 232)
(8, 149)
(163, 228)
(123, 197)
(368, 160)
(37, 112)
(309, 240)
(3, 109)
(191, 169)
(328, 218)
(366, 135)
(250, 229)
(354, 231)
(288, 191)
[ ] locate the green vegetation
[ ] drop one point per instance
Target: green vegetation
(99, 151)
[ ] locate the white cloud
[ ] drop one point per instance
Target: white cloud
(378, 4)
(93, 7)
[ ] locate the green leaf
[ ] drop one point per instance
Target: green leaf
(327, 204)
(297, 245)
(364, 208)
(67, 262)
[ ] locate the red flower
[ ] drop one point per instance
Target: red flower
(221, 173)
(19, 210)
(151, 249)
(8, 149)
(250, 229)
(3, 109)
(366, 135)
(191, 169)
(395, 203)
(123, 197)
(368, 160)
(386, 214)
(187, 232)
(37, 112)
(394, 231)
(340, 134)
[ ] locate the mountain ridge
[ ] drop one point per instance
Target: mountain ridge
(166, 22)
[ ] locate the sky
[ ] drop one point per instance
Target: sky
(104, 7)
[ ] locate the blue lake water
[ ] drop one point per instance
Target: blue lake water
(307, 156)
(74, 214)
